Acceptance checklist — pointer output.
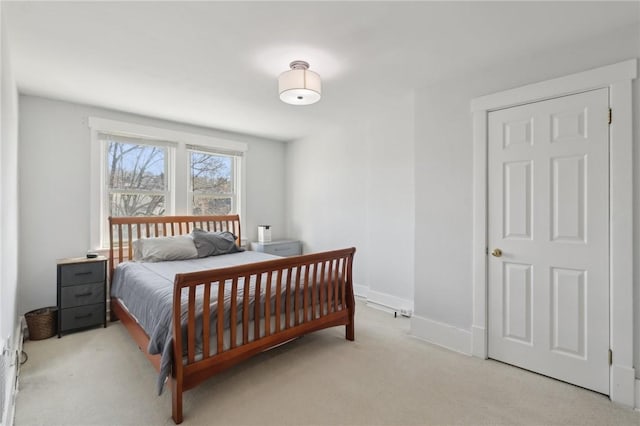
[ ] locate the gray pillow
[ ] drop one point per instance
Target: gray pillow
(214, 243)
(179, 247)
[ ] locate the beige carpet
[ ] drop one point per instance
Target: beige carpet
(99, 377)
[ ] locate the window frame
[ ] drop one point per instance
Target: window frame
(105, 138)
(236, 166)
(169, 169)
(178, 168)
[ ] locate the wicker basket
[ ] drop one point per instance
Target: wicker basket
(42, 322)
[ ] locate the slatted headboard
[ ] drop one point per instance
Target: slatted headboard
(123, 231)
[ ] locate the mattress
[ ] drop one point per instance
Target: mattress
(146, 291)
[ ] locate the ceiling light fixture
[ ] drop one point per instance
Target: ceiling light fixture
(299, 85)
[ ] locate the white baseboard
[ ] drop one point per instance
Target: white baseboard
(479, 342)
(390, 302)
(623, 383)
(383, 301)
(445, 335)
(11, 389)
(361, 290)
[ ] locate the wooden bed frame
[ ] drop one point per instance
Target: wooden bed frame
(321, 299)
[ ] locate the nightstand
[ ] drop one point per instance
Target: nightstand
(82, 288)
(279, 248)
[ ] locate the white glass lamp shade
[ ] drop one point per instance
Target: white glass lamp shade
(299, 87)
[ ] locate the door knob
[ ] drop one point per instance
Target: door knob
(496, 252)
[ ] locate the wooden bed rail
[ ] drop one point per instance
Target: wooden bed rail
(271, 302)
(124, 230)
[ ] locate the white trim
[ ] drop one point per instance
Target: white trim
(445, 335)
(479, 244)
(623, 381)
(382, 308)
(574, 83)
(96, 203)
(176, 165)
(237, 163)
(242, 208)
(617, 78)
(479, 344)
(361, 290)
(621, 242)
(383, 301)
(134, 140)
(637, 394)
(106, 125)
(11, 389)
(390, 301)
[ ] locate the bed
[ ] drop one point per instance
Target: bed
(266, 300)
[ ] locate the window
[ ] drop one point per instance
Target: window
(136, 180)
(146, 171)
(212, 183)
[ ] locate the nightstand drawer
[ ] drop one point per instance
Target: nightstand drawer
(81, 273)
(279, 248)
(82, 316)
(84, 294)
(288, 249)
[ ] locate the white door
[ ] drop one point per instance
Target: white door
(549, 216)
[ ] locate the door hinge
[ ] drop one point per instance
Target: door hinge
(610, 357)
(610, 115)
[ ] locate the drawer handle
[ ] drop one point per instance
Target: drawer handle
(89, 293)
(83, 273)
(83, 316)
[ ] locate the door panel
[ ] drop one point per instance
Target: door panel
(568, 178)
(517, 203)
(517, 302)
(568, 291)
(548, 212)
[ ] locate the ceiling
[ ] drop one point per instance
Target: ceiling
(215, 64)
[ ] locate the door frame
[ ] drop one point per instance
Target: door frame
(618, 79)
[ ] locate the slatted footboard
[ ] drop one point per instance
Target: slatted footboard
(268, 303)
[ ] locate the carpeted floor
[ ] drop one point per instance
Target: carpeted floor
(385, 377)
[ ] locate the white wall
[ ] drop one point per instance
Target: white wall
(54, 187)
(352, 185)
(8, 192)
(390, 204)
(8, 219)
(443, 161)
(325, 192)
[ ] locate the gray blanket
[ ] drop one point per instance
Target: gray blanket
(146, 290)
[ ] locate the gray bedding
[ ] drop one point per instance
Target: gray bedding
(146, 290)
